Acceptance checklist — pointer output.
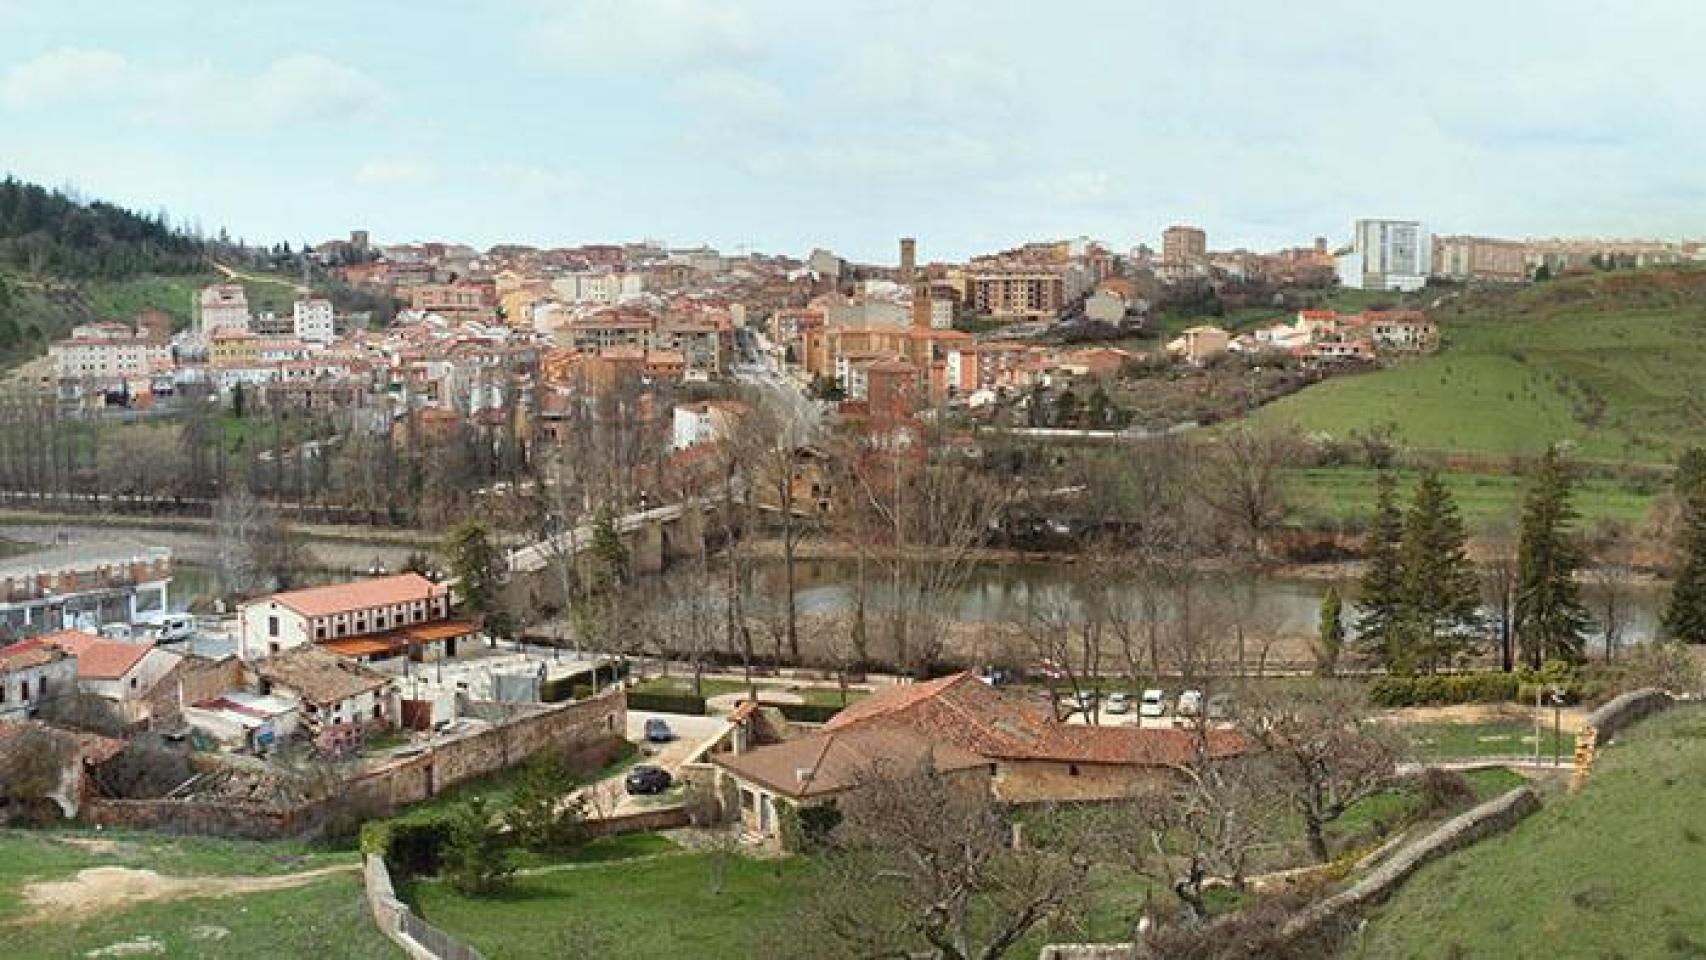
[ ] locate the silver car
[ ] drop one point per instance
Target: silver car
(1154, 704)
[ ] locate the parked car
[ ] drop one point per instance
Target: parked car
(1118, 703)
(657, 731)
(1190, 704)
(1220, 706)
(1154, 704)
(646, 778)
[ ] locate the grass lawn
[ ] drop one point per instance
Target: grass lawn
(1613, 871)
(1608, 363)
(1334, 496)
(670, 907)
(1499, 738)
(323, 919)
(665, 907)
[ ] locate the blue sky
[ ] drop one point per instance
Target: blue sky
(784, 124)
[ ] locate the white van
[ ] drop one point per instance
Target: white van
(171, 627)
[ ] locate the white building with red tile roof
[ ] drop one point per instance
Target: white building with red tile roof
(117, 670)
(365, 619)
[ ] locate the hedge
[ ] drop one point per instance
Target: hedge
(412, 847)
(1484, 687)
(666, 702)
(805, 712)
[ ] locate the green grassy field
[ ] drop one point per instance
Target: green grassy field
(326, 918)
(1607, 363)
(1498, 738)
(1613, 871)
(716, 687)
(1334, 496)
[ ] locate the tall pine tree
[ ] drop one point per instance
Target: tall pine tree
(1551, 622)
(1380, 595)
(1685, 614)
(1441, 594)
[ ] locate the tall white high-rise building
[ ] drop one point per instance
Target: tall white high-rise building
(1386, 255)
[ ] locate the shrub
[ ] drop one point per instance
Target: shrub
(476, 856)
(412, 847)
(1438, 791)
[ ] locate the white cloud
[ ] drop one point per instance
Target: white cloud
(916, 158)
(64, 75)
(604, 34)
(395, 173)
(890, 74)
(292, 89)
(529, 180)
(312, 87)
(733, 92)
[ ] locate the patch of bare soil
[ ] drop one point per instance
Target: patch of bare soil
(100, 890)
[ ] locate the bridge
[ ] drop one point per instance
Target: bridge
(652, 536)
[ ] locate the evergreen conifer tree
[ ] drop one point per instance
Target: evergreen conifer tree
(1380, 598)
(1551, 622)
(1441, 593)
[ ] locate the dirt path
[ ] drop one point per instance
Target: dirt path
(100, 890)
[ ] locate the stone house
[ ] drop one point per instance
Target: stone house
(31, 675)
(340, 700)
(1037, 757)
(815, 769)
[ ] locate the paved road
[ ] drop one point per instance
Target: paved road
(607, 797)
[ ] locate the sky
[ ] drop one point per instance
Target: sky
(782, 125)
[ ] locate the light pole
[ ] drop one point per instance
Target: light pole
(1557, 723)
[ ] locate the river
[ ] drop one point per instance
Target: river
(1286, 605)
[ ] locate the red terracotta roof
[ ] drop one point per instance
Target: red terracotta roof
(97, 657)
(963, 711)
(358, 595)
(831, 761)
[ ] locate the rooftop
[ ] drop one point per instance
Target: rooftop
(319, 677)
(97, 657)
(831, 761)
(357, 595)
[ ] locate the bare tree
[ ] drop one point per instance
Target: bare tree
(1201, 824)
(1610, 542)
(923, 864)
(1243, 480)
(1326, 756)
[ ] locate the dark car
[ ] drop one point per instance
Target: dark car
(657, 731)
(646, 779)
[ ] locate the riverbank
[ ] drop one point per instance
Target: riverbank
(192, 540)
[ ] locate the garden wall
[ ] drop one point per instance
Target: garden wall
(589, 727)
(1494, 816)
(419, 939)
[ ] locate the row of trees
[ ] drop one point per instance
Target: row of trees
(1420, 599)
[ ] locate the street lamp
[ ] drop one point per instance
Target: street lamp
(1557, 722)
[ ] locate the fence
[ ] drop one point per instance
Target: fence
(418, 938)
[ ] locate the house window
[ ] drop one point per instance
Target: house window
(272, 626)
(2, 693)
(133, 683)
(1072, 770)
(41, 687)
(376, 711)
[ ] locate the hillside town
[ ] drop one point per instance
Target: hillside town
(672, 478)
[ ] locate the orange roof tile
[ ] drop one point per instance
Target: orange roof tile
(359, 595)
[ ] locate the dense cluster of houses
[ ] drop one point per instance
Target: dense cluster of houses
(1318, 336)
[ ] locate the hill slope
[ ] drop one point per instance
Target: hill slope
(1614, 871)
(1609, 363)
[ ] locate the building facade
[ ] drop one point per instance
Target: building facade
(1183, 244)
(1480, 258)
(1386, 255)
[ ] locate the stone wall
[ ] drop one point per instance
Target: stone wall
(588, 727)
(1621, 711)
(1600, 726)
(1494, 816)
(402, 926)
